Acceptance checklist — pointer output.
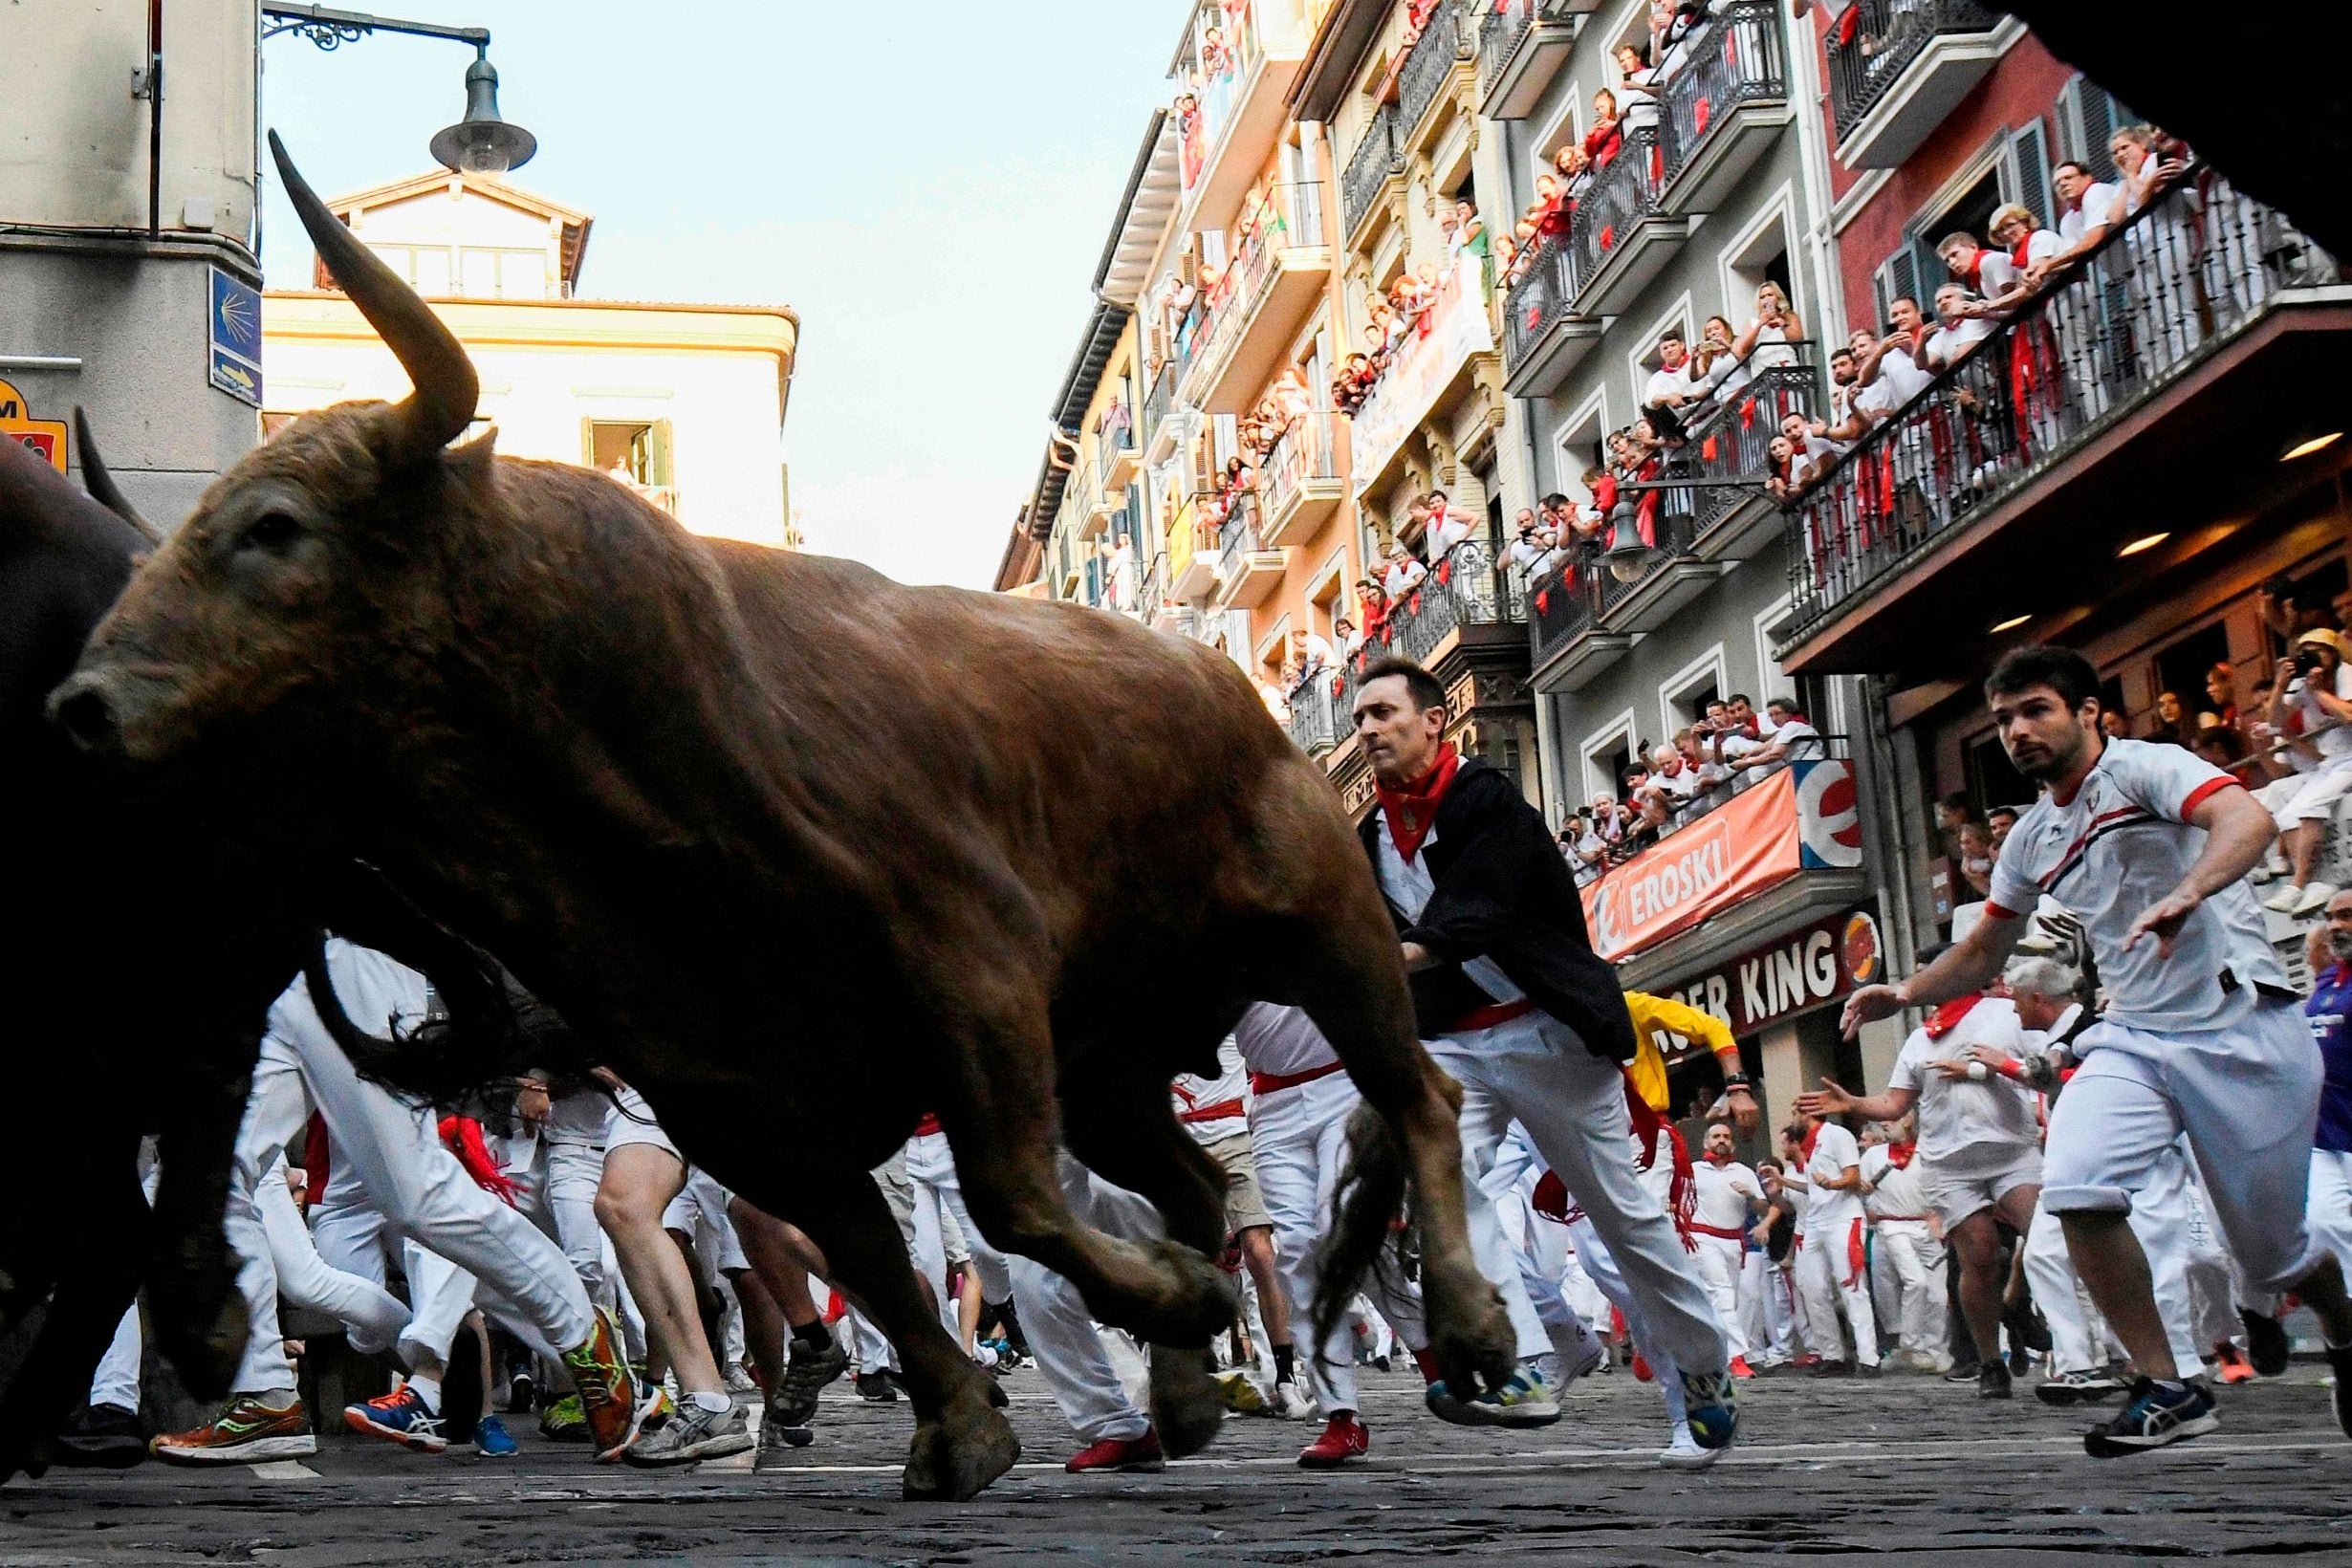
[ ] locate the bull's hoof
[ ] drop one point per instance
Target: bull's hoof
(1470, 1337)
(1199, 1306)
(1187, 1408)
(953, 1459)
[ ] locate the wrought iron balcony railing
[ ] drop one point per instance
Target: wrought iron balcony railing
(1291, 216)
(1446, 38)
(1307, 451)
(1539, 301)
(1564, 602)
(1161, 398)
(1727, 447)
(1505, 27)
(1317, 720)
(1735, 60)
(1221, 83)
(1467, 587)
(1620, 196)
(1236, 535)
(1369, 166)
(1114, 443)
(1875, 40)
(2191, 268)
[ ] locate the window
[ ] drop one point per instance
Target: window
(503, 273)
(2025, 172)
(1607, 755)
(2088, 117)
(1683, 699)
(635, 451)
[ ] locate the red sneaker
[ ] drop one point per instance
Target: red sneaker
(1344, 1439)
(1740, 1367)
(1807, 1359)
(2229, 1363)
(1124, 1454)
(1641, 1367)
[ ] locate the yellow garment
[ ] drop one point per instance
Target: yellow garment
(1653, 1018)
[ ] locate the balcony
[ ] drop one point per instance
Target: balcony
(1468, 596)
(1723, 109)
(1375, 163)
(1317, 720)
(1241, 102)
(1192, 547)
(1429, 372)
(1790, 835)
(1281, 268)
(1621, 237)
(1248, 572)
(1586, 612)
(1445, 43)
(1898, 67)
(1521, 45)
(1544, 340)
(2140, 391)
(1735, 515)
(1302, 485)
(1115, 457)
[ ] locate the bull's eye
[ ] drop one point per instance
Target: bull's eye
(271, 531)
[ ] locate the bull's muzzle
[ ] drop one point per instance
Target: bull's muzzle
(84, 707)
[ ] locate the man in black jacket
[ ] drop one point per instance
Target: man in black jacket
(1514, 1004)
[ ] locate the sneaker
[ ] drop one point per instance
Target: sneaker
(1833, 1369)
(1870, 1369)
(1710, 1401)
(1344, 1439)
(1740, 1367)
(522, 1394)
(1993, 1380)
(2340, 1388)
(1122, 1456)
(1640, 1369)
(1684, 1453)
(244, 1432)
(492, 1441)
(2229, 1363)
(103, 1435)
(2284, 901)
(1525, 1400)
(1290, 1403)
(808, 1374)
(692, 1434)
(778, 1437)
(2152, 1417)
(876, 1389)
(2065, 1388)
(564, 1422)
(740, 1384)
(2266, 1339)
(397, 1416)
(2310, 900)
(1964, 1372)
(607, 1389)
(1242, 1395)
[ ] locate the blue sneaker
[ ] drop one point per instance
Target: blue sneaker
(1710, 1401)
(1525, 1400)
(492, 1441)
(2154, 1415)
(397, 1416)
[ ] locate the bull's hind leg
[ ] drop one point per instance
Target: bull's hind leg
(962, 1440)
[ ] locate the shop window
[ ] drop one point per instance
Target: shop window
(2181, 667)
(1991, 779)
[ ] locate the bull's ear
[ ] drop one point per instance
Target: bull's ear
(442, 406)
(101, 484)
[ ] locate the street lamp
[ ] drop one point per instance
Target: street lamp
(1627, 557)
(481, 143)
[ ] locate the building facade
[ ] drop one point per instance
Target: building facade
(685, 403)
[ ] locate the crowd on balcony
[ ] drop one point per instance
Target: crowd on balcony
(1670, 785)
(1405, 310)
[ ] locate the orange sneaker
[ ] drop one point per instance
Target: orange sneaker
(1740, 1367)
(1344, 1439)
(2229, 1363)
(607, 1389)
(245, 1432)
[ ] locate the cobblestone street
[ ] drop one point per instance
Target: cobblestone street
(1905, 1466)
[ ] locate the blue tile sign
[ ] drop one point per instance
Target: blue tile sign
(235, 328)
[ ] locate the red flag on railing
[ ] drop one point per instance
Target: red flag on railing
(1337, 683)
(1849, 27)
(1699, 112)
(1543, 601)
(1608, 234)
(1412, 605)
(1646, 518)
(1657, 166)
(1707, 449)
(1534, 317)
(1747, 414)
(1444, 571)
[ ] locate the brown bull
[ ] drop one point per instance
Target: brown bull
(802, 852)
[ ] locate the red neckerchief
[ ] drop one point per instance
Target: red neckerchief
(1946, 1018)
(1813, 1136)
(1411, 810)
(2018, 255)
(1899, 1154)
(1719, 1161)
(1976, 271)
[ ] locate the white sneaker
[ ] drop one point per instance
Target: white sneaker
(2314, 897)
(2284, 901)
(1683, 1454)
(1290, 1403)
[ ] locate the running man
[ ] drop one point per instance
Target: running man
(2151, 845)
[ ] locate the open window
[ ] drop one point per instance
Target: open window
(637, 453)
(1608, 756)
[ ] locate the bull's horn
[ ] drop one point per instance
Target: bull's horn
(101, 484)
(442, 404)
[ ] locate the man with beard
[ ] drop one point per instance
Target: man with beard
(1514, 1004)
(2149, 846)
(1729, 1196)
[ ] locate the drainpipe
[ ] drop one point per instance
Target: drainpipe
(1883, 790)
(155, 120)
(1807, 95)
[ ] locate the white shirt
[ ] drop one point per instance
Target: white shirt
(1798, 741)
(1445, 532)
(1829, 1209)
(1952, 339)
(1664, 383)
(1966, 1127)
(1897, 382)
(2329, 743)
(1281, 1040)
(1409, 887)
(2121, 844)
(1895, 1190)
(1722, 1193)
(1194, 1094)
(1402, 576)
(2097, 210)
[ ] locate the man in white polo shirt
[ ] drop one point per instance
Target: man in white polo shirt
(1905, 1249)
(1728, 1195)
(1832, 1267)
(2149, 846)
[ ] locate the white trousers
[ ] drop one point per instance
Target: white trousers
(116, 1382)
(1775, 1324)
(1536, 1250)
(2331, 1203)
(1915, 1259)
(1077, 1368)
(1571, 1104)
(1723, 1264)
(1824, 1273)
(939, 1205)
(1602, 1264)
(1299, 1137)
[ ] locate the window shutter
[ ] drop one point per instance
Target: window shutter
(657, 447)
(2026, 173)
(1897, 278)
(2090, 116)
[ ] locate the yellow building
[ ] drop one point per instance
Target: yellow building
(686, 402)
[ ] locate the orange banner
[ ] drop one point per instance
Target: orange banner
(1740, 849)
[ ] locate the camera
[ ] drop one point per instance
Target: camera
(2308, 662)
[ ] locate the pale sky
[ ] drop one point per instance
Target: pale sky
(926, 182)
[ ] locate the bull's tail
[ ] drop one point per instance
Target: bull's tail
(1366, 1209)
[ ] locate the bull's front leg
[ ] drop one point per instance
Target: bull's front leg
(199, 1317)
(94, 1250)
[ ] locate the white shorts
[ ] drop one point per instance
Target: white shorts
(699, 1212)
(2248, 1096)
(1979, 1183)
(2309, 798)
(629, 1120)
